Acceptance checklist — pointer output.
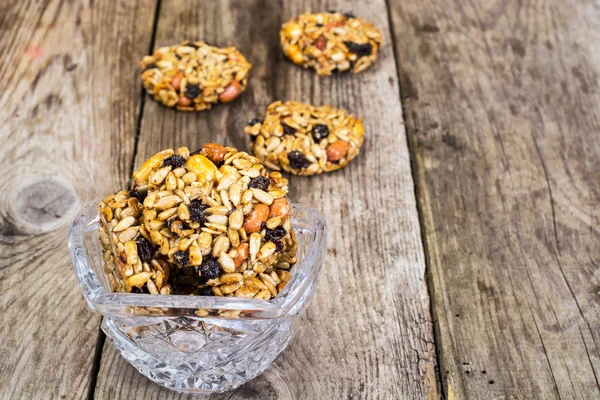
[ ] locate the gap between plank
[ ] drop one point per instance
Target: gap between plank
(138, 127)
(414, 169)
(101, 336)
(96, 363)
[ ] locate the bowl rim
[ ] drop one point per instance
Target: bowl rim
(100, 299)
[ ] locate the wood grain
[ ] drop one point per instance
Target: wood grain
(67, 122)
(503, 111)
(368, 333)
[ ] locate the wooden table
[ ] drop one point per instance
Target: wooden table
(464, 251)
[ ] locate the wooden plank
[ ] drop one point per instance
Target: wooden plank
(503, 112)
(368, 333)
(67, 122)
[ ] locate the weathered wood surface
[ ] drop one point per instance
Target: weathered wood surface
(368, 332)
(67, 122)
(503, 108)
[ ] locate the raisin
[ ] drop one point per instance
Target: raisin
(360, 50)
(275, 234)
(174, 161)
(184, 289)
(260, 182)
(288, 130)
(178, 56)
(150, 66)
(255, 121)
(194, 45)
(145, 249)
(139, 196)
(349, 15)
(210, 269)
(332, 11)
(297, 160)
(192, 91)
(205, 291)
(182, 258)
(197, 212)
(142, 290)
(320, 132)
(278, 246)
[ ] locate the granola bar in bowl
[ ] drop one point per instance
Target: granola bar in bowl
(202, 270)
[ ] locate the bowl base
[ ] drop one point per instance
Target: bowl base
(194, 355)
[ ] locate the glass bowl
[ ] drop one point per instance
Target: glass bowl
(194, 344)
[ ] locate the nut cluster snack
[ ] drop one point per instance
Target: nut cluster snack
(330, 41)
(212, 222)
(305, 140)
(194, 75)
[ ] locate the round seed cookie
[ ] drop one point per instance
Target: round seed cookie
(193, 76)
(211, 222)
(330, 41)
(305, 140)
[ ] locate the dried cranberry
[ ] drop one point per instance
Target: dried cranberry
(255, 121)
(321, 43)
(275, 234)
(320, 132)
(260, 182)
(139, 196)
(297, 160)
(205, 291)
(197, 212)
(192, 91)
(360, 50)
(174, 161)
(145, 249)
(288, 130)
(210, 269)
(182, 258)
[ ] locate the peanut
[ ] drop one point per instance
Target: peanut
(184, 101)
(215, 152)
(242, 255)
(337, 150)
(279, 208)
(231, 92)
(176, 81)
(257, 216)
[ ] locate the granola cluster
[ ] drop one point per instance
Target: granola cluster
(193, 76)
(330, 41)
(212, 222)
(305, 140)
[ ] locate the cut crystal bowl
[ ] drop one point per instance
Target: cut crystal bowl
(190, 343)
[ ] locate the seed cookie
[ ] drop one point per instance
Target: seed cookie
(193, 76)
(330, 41)
(305, 140)
(212, 222)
